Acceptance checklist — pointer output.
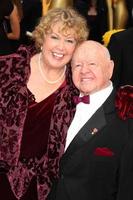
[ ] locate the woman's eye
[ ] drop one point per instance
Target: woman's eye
(54, 37)
(70, 41)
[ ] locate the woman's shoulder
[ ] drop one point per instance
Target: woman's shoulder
(16, 66)
(30, 49)
(23, 52)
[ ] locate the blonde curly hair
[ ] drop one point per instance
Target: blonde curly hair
(69, 19)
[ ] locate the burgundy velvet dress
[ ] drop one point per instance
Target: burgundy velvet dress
(34, 143)
(32, 135)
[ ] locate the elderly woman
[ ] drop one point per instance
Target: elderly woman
(35, 106)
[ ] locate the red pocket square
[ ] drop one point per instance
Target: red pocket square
(103, 151)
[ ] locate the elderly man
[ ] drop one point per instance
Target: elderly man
(91, 167)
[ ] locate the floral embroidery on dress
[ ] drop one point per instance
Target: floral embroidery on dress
(14, 100)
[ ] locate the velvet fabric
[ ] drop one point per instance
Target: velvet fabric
(92, 167)
(35, 139)
(124, 102)
(14, 103)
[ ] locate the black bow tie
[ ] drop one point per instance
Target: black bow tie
(84, 99)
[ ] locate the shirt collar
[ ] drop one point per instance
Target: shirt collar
(99, 97)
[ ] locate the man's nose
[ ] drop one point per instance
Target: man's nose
(84, 68)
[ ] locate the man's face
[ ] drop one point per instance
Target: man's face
(91, 68)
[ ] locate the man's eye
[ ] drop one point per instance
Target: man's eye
(92, 64)
(77, 66)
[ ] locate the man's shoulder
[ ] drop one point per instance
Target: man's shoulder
(124, 35)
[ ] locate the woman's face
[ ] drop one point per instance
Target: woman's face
(58, 48)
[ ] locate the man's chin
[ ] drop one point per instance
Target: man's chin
(84, 92)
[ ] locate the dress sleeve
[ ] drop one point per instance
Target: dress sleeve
(16, 66)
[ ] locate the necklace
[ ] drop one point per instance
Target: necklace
(44, 76)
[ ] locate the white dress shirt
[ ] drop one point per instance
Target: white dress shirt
(85, 111)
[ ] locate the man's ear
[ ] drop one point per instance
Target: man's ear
(111, 68)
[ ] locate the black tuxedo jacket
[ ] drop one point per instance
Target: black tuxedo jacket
(90, 169)
(121, 50)
(130, 12)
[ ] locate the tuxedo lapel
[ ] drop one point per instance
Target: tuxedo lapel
(97, 121)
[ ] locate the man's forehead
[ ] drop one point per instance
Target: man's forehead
(85, 51)
(90, 49)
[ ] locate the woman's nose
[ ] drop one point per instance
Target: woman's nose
(61, 44)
